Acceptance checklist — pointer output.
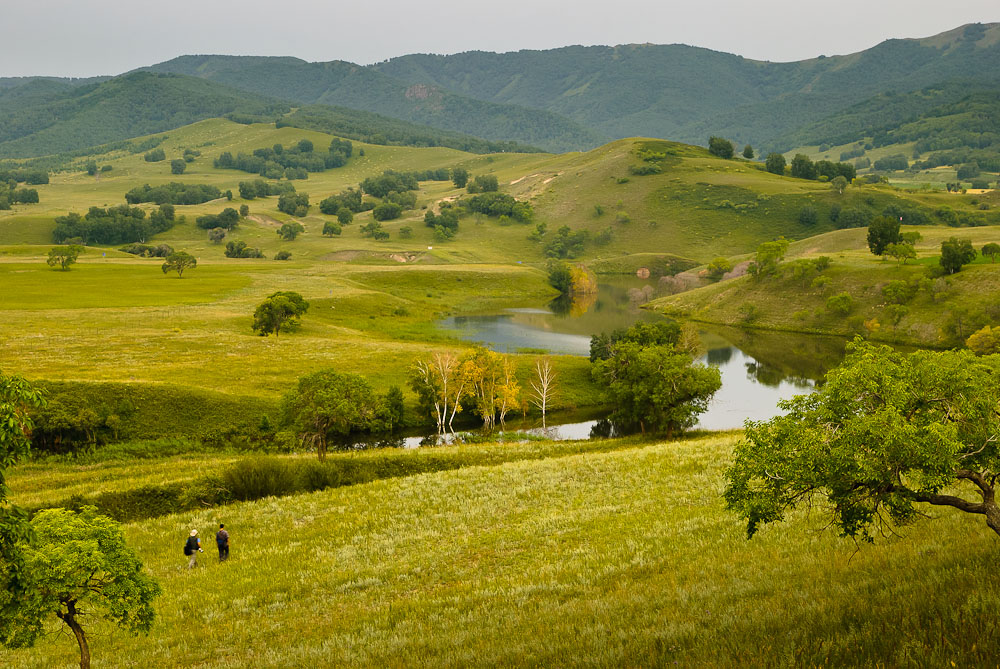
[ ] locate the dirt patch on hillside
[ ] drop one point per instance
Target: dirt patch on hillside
(402, 257)
(264, 220)
(526, 176)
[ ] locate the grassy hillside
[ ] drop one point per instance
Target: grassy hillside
(941, 312)
(348, 85)
(611, 559)
(375, 304)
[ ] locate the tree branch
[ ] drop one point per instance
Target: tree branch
(951, 500)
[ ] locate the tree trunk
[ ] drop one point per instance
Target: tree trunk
(70, 619)
(993, 516)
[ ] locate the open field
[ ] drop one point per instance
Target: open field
(623, 558)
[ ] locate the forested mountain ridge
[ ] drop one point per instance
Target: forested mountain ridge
(345, 84)
(686, 93)
(42, 116)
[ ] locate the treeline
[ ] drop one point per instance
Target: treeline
(251, 190)
(116, 225)
(294, 162)
(174, 193)
(10, 195)
(374, 128)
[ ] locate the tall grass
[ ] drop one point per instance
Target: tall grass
(624, 558)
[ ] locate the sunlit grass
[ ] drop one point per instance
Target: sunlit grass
(611, 559)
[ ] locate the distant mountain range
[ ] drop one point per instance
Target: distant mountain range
(559, 99)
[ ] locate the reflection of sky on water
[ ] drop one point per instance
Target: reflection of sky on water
(750, 389)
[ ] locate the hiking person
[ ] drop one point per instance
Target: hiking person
(192, 547)
(222, 539)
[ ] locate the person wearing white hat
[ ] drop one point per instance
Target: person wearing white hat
(192, 547)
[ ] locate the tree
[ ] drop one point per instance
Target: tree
(216, 235)
(840, 304)
(331, 228)
(64, 256)
(439, 387)
(748, 152)
(886, 431)
(459, 176)
(719, 267)
(767, 258)
(775, 163)
(956, 252)
(484, 183)
(345, 216)
(492, 384)
(244, 210)
(985, 341)
(720, 147)
(280, 310)
(991, 251)
(290, 230)
(802, 167)
(77, 565)
(839, 184)
(882, 231)
(327, 405)
(901, 252)
(178, 261)
(386, 211)
(808, 215)
(177, 166)
(543, 385)
(656, 387)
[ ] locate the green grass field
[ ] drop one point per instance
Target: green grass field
(623, 558)
(799, 304)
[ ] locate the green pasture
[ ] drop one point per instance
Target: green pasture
(624, 558)
(798, 304)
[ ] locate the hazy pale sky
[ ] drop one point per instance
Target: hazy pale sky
(92, 37)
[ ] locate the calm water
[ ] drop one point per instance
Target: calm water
(757, 369)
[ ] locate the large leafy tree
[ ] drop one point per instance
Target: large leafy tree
(656, 388)
(64, 256)
(883, 231)
(279, 310)
(178, 261)
(327, 405)
(886, 432)
(956, 252)
(78, 565)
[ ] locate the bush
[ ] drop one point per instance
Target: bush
(178, 166)
(387, 211)
(841, 304)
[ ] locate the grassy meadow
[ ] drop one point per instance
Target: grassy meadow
(798, 303)
(618, 558)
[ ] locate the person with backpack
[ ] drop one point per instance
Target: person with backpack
(192, 547)
(222, 540)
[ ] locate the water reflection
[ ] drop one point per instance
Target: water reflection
(758, 368)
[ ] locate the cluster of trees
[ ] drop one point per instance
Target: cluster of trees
(651, 379)
(804, 168)
(482, 380)
(328, 406)
(293, 162)
(390, 181)
(148, 250)
(294, 204)
(31, 177)
(445, 224)
(890, 163)
(45, 575)
(565, 243)
(483, 183)
(374, 230)
(174, 193)
(155, 156)
(116, 225)
(500, 204)
(250, 190)
(227, 219)
(12, 195)
(239, 249)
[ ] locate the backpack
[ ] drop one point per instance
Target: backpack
(191, 545)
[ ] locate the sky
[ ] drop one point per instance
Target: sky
(78, 38)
